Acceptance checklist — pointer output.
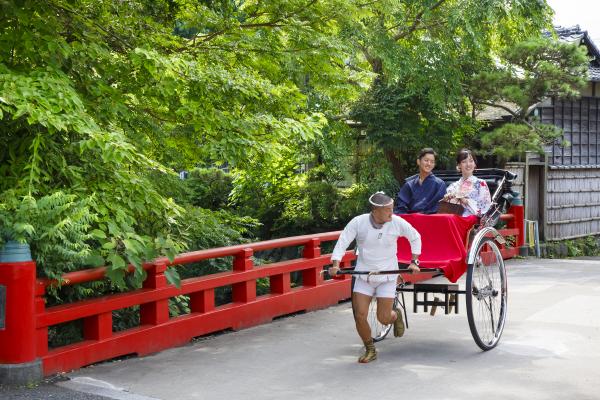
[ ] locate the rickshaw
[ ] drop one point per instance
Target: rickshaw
(449, 250)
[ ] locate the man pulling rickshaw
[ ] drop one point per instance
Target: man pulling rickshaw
(449, 246)
(376, 234)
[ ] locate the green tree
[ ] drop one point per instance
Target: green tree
(532, 71)
(96, 96)
(423, 54)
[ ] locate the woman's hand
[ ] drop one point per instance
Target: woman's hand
(448, 196)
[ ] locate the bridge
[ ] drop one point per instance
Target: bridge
(549, 350)
(24, 351)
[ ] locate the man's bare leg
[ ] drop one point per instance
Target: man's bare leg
(385, 314)
(360, 306)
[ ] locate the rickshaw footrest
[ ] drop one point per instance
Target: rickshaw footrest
(448, 290)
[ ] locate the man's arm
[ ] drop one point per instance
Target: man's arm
(347, 236)
(434, 201)
(403, 199)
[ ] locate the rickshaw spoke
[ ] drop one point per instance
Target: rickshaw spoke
(486, 304)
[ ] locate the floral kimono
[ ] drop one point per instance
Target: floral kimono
(476, 192)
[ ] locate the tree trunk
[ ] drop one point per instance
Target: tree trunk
(397, 168)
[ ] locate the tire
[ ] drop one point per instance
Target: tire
(486, 293)
(378, 330)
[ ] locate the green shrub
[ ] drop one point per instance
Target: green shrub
(199, 229)
(209, 188)
(580, 247)
(169, 185)
(321, 207)
(58, 228)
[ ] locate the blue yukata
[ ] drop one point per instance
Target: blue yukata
(415, 197)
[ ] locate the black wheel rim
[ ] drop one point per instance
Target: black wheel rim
(486, 295)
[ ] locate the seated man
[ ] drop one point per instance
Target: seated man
(421, 193)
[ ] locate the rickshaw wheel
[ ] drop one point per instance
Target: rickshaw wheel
(378, 330)
(486, 293)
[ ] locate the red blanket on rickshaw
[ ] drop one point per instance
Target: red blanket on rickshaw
(443, 238)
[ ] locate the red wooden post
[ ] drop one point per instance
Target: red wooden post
(98, 327)
(157, 312)
(312, 276)
(40, 308)
(244, 292)
(280, 283)
(518, 222)
(201, 302)
(18, 362)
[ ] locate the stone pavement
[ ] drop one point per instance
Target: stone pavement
(550, 350)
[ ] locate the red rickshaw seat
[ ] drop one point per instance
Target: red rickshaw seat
(443, 238)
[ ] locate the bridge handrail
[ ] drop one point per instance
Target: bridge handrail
(28, 320)
(98, 273)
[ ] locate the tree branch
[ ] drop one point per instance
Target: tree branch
(516, 114)
(98, 27)
(416, 22)
(505, 108)
(270, 24)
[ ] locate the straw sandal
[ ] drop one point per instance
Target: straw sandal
(370, 354)
(398, 324)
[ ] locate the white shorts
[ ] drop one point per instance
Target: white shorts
(376, 286)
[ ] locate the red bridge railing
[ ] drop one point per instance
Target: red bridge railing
(158, 331)
(24, 336)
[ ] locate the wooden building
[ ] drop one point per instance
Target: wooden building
(562, 189)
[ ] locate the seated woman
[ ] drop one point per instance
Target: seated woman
(443, 236)
(469, 191)
(421, 193)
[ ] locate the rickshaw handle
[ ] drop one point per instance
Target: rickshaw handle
(388, 272)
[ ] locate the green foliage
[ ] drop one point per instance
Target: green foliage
(580, 247)
(512, 139)
(321, 207)
(109, 90)
(100, 100)
(179, 305)
(170, 186)
(57, 228)
(126, 318)
(210, 188)
(64, 334)
(531, 71)
(204, 229)
(400, 123)
(424, 54)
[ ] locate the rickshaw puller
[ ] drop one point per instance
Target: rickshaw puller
(376, 234)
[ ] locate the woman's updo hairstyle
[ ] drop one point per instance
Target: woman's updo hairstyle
(463, 154)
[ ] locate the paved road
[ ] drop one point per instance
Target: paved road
(47, 390)
(550, 349)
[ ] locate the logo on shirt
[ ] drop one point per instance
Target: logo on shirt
(380, 235)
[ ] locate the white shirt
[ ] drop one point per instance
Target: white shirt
(376, 247)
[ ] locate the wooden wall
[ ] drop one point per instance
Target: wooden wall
(580, 121)
(572, 202)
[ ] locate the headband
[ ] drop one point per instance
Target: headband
(379, 205)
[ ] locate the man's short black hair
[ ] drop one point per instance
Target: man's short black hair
(427, 150)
